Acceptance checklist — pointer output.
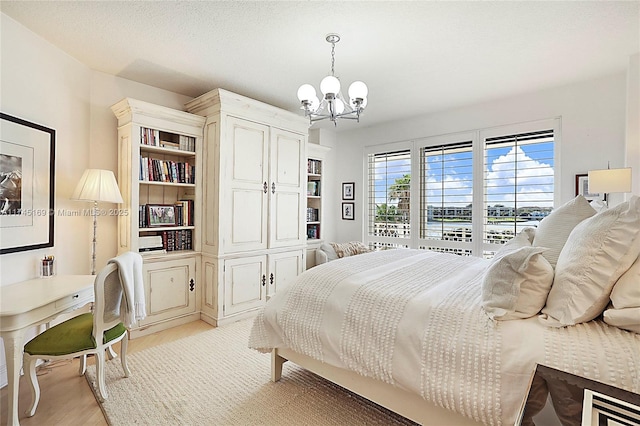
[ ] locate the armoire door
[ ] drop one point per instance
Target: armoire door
(245, 284)
(287, 203)
(245, 185)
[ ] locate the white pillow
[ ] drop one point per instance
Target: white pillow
(554, 229)
(625, 298)
(597, 253)
(516, 283)
(626, 318)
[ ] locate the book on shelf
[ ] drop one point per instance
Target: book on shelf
(312, 215)
(314, 167)
(313, 188)
(313, 232)
(155, 170)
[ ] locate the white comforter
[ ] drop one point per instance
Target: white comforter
(412, 318)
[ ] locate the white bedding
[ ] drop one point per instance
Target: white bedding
(413, 318)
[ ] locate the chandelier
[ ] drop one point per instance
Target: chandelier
(333, 104)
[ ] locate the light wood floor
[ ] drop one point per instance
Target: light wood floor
(66, 398)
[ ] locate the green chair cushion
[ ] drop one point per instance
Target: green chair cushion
(73, 335)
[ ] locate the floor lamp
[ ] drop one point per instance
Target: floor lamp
(97, 186)
(609, 180)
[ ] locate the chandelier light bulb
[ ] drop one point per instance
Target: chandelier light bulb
(306, 92)
(330, 84)
(339, 106)
(358, 90)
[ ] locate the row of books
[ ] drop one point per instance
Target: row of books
(177, 240)
(154, 170)
(312, 215)
(314, 167)
(153, 137)
(179, 214)
(313, 188)
(313, 232)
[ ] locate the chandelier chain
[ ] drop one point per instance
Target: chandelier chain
(333, 57)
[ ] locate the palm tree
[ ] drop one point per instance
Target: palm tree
(400, 191)
(386, 213)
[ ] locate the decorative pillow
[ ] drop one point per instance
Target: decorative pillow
(625, 298)
(329, 252)
(554, 229)
(626, 318)
(516, 283)
(349, 249)
(597, 253)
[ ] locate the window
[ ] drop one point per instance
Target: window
(518, 183)
(446, 196)
(472, 191)
(389, 198)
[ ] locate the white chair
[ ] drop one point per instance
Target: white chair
(90, 333)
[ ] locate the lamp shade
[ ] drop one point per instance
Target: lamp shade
(610, 180)
(97, 185)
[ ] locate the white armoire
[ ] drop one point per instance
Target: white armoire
(253, 232)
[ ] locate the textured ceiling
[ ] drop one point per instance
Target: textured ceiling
(416, 57)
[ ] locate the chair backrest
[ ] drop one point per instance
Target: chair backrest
(108, 295)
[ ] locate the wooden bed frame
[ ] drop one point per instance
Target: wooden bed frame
(405, 403)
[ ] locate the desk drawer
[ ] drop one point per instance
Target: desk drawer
(78, 298)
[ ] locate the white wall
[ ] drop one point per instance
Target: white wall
(633, 122)
(42, 84)
(593, 132)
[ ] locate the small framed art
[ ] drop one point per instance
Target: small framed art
(161, 215)
(348, 190)
(348, 211)
(582, 188)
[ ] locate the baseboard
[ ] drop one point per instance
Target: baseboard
(163, 325)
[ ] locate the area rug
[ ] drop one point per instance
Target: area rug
(213, 378)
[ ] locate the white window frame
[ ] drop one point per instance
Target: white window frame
(477, 136)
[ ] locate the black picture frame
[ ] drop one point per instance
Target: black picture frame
(582, 188)
(27, 185)
(348, 190)
(348, 211)
(160, 215)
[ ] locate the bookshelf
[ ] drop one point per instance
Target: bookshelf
(159, 169)
(316, 191)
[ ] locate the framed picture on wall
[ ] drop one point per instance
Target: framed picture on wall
(27, 185)
(348, 211)
(582, 188)
(348, 190)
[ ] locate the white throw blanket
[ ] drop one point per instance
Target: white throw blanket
(413, 318)
(130, 269)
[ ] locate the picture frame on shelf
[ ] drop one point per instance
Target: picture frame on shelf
(348, 190)
(27, 185)
(161, 215)
(582, 188)
(348, 211)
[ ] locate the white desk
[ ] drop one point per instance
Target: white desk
(28, 304)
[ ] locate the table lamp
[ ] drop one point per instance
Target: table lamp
(98, 186)
(609, 180)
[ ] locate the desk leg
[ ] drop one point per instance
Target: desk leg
(13, 347)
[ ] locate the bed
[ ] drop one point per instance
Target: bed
(408, 330)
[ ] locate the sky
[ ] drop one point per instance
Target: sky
(451, 184)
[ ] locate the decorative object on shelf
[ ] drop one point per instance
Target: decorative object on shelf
(348, 211)
(98, 186)
(333, 104)
(348, 191)
(610, 180)
(161, 215)
(27, 183)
